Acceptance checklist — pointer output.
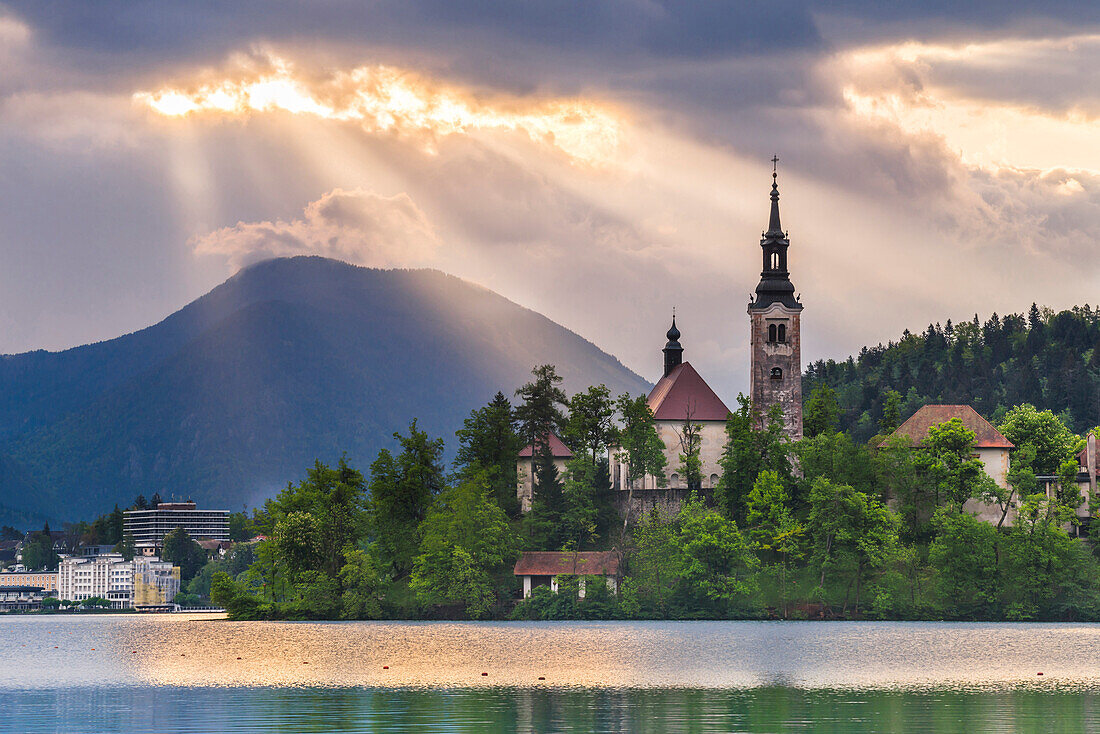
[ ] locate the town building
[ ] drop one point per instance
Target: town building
(148, 527)
(21, 598)
(990, 447)
(525, 468)
(46, 580)
(541, 568)
(1087, 475)
(126, 584)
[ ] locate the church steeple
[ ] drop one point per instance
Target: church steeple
(775, 280)
(674, 353)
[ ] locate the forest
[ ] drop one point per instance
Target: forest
(826, 527)
(1046, 359)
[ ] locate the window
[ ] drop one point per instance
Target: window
(674, 479)
(771, 332)
(775, 261)
(777, 373)
(714, 480)
(782, 333)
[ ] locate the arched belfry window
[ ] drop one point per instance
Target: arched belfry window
(777, 373)
(773, 333)
(775, 261)
(782, 337)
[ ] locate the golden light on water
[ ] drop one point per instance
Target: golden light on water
(388, 99)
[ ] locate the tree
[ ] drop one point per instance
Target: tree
(822, 411)
(241, 527)
(543, 524)
(363, 582)
(965, 556)
(296, 542)
(540, 413)
(580, 514)
(402, 489)
(184, 552)
(642, 448)
(656, 563)
(948, 464)
(852, 533)
(717, 563)
(489, 442)
(465, 541)
(126, 546)
(773, 529)
(140, 503)
(591, 423)
(749, 451)
(691, 441)
(1052, 441)
(891, 412)
(38, 552)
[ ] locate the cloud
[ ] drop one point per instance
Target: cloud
(356, 226)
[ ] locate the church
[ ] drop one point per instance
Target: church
(775, 373)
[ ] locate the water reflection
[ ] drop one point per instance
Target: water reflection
(193, 674)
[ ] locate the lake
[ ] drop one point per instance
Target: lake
(197, 673)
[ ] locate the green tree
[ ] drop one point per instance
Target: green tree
(296, 544)
(581, 511)
(1052, 441)
(184, 552)
(949, 466)
(642, 448)
(489, 442)
(691, 442)
(773, 529)
(750, 450)
(891, 412)
(965, 555)
(241, 527)
(656, 564)
(717, 564)
(822, 412)
(853, 535)
(540, 414)
(543, 525)
(126, 546)
(364, 584)
(465, 541)
(590, 426)
(402, 489)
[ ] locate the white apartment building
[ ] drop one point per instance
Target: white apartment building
(111, 577)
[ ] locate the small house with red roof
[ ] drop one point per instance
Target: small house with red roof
(542, 568)
(525, 468)
(990, 446)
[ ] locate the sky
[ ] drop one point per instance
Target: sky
(600, 162)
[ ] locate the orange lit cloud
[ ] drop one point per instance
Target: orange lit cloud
(387, 99)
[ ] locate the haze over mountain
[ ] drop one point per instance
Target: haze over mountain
(237, 393)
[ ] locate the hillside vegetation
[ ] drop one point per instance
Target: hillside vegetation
(1048, 359)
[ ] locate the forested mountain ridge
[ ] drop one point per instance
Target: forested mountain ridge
(288, 361)
(1046, 358)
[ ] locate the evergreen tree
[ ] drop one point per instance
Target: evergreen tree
(822, 411)
(489, 442)
(401, 491)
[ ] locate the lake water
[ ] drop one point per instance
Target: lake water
(197, 673)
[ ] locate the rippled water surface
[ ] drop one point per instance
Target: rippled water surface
(195, 673)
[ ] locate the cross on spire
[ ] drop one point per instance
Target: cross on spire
(775, 165)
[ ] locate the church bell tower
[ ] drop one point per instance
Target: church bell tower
(775, 338)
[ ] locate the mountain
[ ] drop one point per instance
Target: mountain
(1048, 359)
(236, 394)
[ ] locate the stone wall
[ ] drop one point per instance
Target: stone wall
(668, 501)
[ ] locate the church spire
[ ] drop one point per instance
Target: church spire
(774, 227)
(674, 353)
(775, 280)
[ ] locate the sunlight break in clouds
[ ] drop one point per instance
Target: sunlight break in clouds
(987, 101)
(388, 99)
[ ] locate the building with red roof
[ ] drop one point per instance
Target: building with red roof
(541, 568)
(525, 468)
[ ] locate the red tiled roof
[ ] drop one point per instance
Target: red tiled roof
(682, 391)
(985, 435)
(553, 563)
(557, 449)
